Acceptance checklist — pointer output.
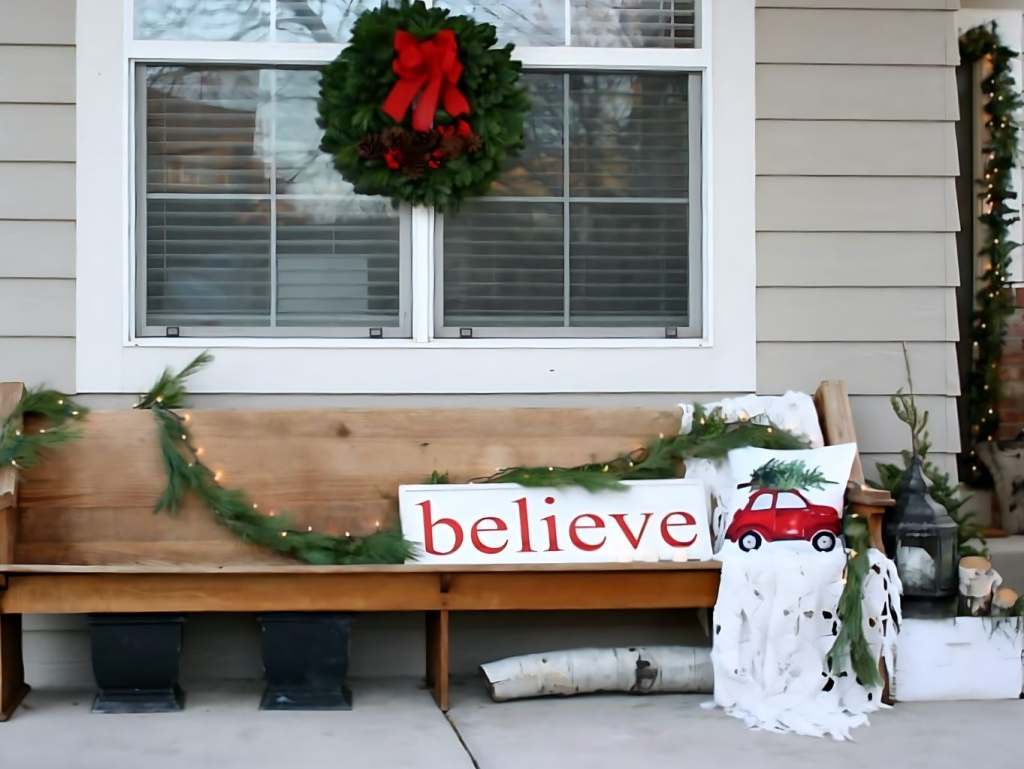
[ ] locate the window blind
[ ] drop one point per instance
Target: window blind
(592, 227)
(243, 226)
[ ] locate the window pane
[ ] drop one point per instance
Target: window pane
(523, 22)
(593, 23)
(207, 263)
(629, 136)
(633, 23)
(206, 130)
(220, 20)
(341, 269)
(247, 224)
(539, 169)
(319, 21)
(628, 264)
(504, 265)
(601, 244)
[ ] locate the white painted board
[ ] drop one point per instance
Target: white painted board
(967, 658)
(504, 523)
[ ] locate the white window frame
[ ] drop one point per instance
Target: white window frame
(110, 358)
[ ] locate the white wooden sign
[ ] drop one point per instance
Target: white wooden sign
(508, 523)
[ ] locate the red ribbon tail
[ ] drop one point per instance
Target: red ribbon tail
(401, 96)
(454, 101)
(426, 107)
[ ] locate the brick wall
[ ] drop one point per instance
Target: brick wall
(1011, 371)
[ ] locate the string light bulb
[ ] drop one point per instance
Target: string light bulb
(217, 475)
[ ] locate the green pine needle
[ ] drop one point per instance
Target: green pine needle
(60, 415)
(232, 509)
(786, 476)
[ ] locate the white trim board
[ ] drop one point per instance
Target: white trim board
(110, 360)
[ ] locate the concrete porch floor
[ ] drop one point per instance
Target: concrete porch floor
(395, 724)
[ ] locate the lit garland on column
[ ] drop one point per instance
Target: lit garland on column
(994, 300)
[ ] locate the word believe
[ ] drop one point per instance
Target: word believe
(506, 523)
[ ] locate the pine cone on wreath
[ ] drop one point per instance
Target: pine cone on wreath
(372, 147)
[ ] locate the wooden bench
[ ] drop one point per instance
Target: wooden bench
(78, 534)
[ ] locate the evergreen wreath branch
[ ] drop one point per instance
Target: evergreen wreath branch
(231, 508)
(994, 301)
(786, 475)
(61, 415)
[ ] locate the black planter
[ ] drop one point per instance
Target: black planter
(305, 661)
(135, 661)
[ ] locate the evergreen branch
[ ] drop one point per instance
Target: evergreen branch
(786, 476)
(60, 415)
(231, 508)
(850, 642)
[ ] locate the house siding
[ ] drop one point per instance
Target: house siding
(856, 208)
(37, 191)
(855, 254)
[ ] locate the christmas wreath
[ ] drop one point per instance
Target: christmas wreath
(421, 106)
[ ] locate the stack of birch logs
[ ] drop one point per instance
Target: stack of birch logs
(981, 594)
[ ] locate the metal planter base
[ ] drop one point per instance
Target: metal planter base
(305, 661)
(135, 662)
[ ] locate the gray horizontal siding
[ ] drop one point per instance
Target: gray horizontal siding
(882, 5)
(37, 307)
(856, 315)
(37, 22)
(37, 74)
(817, 36)
(855, 148)
(43, 132)
(846, 92)
(37, 192)
(38, 360)
(856, 208)
(37, 249)
(856, 259)
(868, 368)
(856, 204)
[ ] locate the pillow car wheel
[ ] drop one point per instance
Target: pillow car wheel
(750, 540)
(824, 541)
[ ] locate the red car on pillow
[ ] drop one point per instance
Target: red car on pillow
(772, 515)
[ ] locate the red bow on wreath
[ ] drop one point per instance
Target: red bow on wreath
(430, 68)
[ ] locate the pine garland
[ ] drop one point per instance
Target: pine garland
(61, 415)
(850, 643)
(994, 299)
(786, 476)
(231, 508)
(711, 437)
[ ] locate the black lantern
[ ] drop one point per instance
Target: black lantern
(924, 539)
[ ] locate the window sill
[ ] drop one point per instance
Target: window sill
(347, 343)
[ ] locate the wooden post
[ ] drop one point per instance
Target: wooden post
(12, 669)
(437, 656)
(10, 394)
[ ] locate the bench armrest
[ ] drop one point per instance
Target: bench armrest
(871, 504)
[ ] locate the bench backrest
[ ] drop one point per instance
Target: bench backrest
(335, 470)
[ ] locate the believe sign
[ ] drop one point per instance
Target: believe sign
(508, 523)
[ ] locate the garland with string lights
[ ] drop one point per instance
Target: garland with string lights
(61, 414)
(231, 508)
(994, 300)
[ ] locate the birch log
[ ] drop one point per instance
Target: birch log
(1004, 602)
(637, 669)
(978, 581)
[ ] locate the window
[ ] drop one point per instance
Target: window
(243, 228)
(764, 501)
(790, 501)
(206, 219)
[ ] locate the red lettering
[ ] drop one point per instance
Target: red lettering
(620, 518)
(476, 531)
(552, 535)
(574, 537)
(524, 526)
(428, 531)
(688, 520)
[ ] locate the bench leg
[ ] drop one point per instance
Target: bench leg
(12, 668)
(437, 657)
